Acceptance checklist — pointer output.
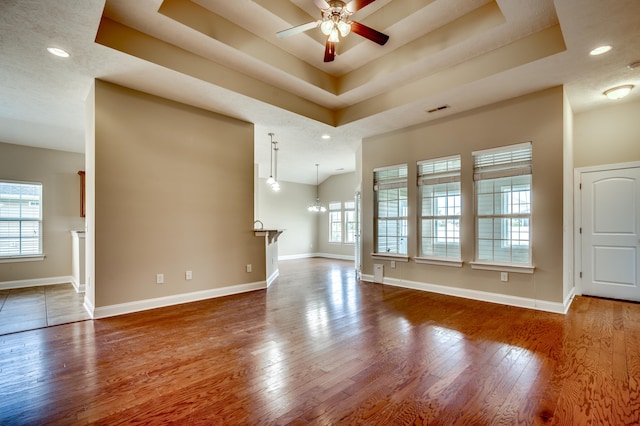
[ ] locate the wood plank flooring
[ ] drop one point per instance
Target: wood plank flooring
(40, 306)
(318, 347)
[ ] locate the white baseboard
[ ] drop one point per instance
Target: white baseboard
(337, 256)
(310, 255)
(484, 296)
(569, 299)
(273, 277)
(298, 256)
(160, 302)
(88, 306)
(80, 288)
(8, 285)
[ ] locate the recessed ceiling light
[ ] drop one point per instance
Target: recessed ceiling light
(618, 92)
(326, 137)
(58, 52)
(600, 50)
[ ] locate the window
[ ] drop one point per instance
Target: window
(350, 221)
(20, 219)
(440, 207)
(391, 203)
(335, 222)
(503, 204)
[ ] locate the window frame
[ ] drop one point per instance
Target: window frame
(431, 174)
(350, 211)
(20, 255)
(333, 211)
(392, 178)
(500, 169)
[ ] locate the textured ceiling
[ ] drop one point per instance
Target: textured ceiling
(224, 56)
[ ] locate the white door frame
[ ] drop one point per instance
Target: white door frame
(577, 213)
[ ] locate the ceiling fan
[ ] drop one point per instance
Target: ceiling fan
(336, 22)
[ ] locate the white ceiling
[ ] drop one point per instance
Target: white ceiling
(223, 56)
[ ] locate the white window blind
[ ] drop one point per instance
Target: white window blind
(440, 207)
(442, 170)
(20, 219)
(502, 162)
(390, 177)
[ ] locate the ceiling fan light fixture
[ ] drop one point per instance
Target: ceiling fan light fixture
(335, 23)
(333, 37)
(344, 28)
(618, 92)
(326, 27)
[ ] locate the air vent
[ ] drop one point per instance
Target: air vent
(440, 108)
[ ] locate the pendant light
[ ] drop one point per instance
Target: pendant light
(273, 182)
(317, 206)
(275, 186)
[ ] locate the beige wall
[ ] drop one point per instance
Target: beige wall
(336, 188)
(607, 135)
(538, 118)
(287, 209)
(58, 173)
(173, 192)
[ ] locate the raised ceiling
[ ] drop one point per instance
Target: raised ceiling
(224, 56)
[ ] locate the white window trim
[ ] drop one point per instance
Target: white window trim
(399, 182)
(391, 256)
(457, 263)
(339, 210)
(445, 177)
(17, 259)
(511, 267)
(517, 171)
(345, 221)
(29, 257)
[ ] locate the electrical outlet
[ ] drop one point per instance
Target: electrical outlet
(159, 278)
(504, 276)
(393, 264)
(249, 268)
(188, 275)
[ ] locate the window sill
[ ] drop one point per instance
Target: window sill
(17, 259)
(438, 261)
(518, 269)
(385, 256)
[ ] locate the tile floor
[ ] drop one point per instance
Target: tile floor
(36, 307)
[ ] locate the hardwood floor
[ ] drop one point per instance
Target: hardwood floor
(318, 347)
(41, 306)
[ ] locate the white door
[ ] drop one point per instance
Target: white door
(610, 209)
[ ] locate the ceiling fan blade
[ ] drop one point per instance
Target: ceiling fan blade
(329, 51)
(321, 4)
(356, 5)
(297, 30)
(370, 33)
